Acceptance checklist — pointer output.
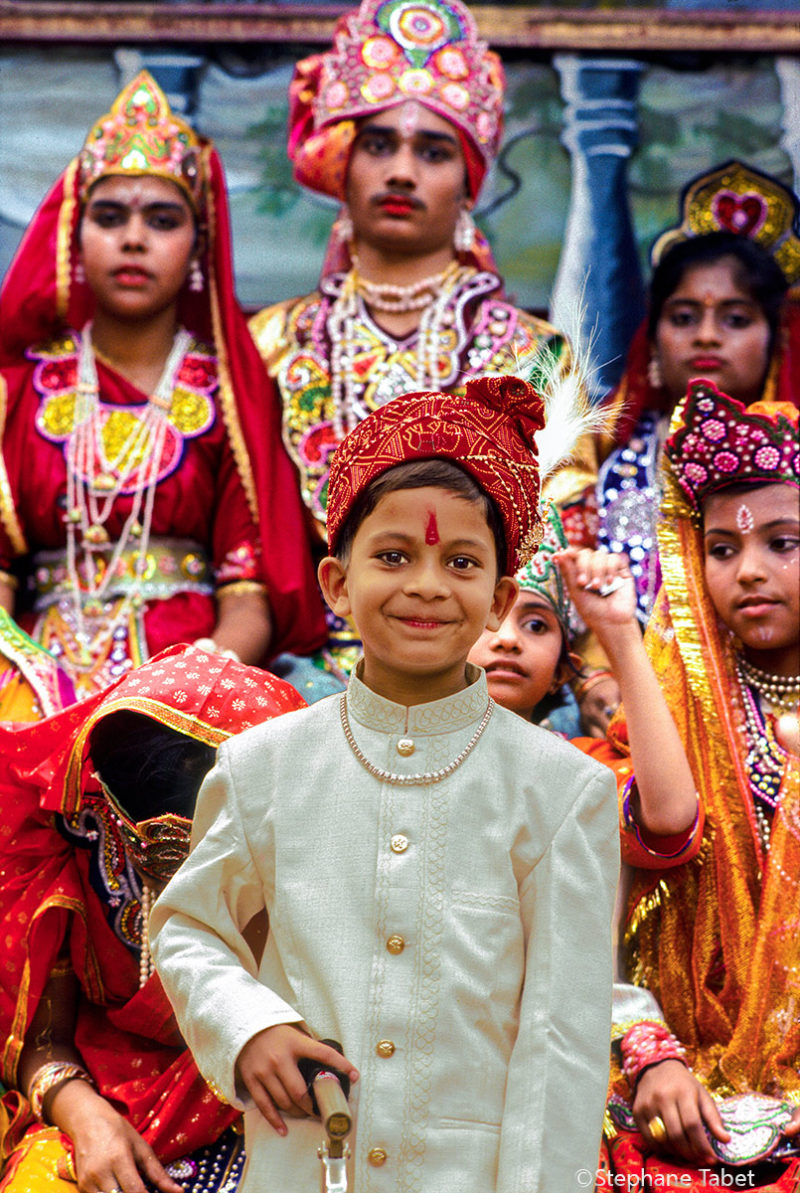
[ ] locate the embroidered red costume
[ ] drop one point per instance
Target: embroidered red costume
(68, 890)
(143, 505)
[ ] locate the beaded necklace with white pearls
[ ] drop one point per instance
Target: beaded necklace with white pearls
(423, 779)
(146, 967)
(395, 299)
(91, 493)
(346, 313)
(782, 691)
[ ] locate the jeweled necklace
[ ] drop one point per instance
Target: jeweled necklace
(782, 691)
(766, 758)
(343, 321)
(86, 515)
(419, 780)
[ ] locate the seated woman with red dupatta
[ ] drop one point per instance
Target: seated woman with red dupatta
(96, 805)
(146, 497)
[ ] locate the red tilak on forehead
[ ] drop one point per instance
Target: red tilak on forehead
(431, 530)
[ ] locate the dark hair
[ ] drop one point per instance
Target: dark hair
(758, 273)
(419, 474)
(149, 768)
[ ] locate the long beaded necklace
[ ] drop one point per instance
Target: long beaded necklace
(766, 758)
(425, 778)
(347, 312)
(146, 967)
(92, 491)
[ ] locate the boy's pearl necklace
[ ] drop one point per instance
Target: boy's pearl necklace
(419, 780)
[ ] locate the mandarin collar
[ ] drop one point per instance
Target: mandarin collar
(447, 715)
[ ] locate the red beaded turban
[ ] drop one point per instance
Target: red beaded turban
(716, 442)
(385, 53)
(489, 431)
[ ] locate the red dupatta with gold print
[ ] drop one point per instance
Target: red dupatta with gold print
(718, 940)
(67, 886)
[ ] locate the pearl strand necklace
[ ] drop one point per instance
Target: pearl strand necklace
(425, 778)
(782, 691)
(146, 967)
(395, 299)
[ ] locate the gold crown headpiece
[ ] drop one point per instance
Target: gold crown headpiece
(141, 135)
(736, 198)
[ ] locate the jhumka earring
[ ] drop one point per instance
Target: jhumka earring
(196, 282)
(464, 235)
(654, 375)
(343, 228)
(79, 273)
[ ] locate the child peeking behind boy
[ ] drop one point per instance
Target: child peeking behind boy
(527, 658)
(439, 875)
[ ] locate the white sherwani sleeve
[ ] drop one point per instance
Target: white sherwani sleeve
(558, 1072)
(204, 963)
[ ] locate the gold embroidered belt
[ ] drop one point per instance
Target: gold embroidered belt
(170, 566)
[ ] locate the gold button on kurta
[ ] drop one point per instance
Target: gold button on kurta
(399, 843)
(405, 746)
(395, 944)
(384, 1048)
(376, 1157)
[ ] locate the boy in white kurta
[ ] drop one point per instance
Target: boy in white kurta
(439, 875)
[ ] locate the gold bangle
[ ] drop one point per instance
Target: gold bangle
(48, 1077)
(590, 682)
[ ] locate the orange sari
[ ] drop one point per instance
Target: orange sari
(717, 940)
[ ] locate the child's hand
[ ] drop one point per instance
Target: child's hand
(600, 585)
(267, 1066)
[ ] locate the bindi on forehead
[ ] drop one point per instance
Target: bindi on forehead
(409, 119)
(432, 530)
(744, 519)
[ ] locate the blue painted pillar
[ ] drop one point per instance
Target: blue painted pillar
(599, 263)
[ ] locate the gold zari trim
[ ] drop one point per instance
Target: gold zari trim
(8, 514)
(227, 401)
(66, 217)
(241, 588)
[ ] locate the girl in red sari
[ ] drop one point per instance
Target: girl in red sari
(95, 805)
(142, 464)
